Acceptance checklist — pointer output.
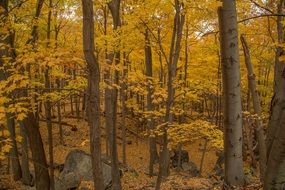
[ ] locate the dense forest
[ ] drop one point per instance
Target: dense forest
(142, 94)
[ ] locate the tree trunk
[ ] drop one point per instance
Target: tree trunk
(234, 175)
(42, 179)
(26, 176)
(107, 96)
(153, 155)
(76, 98)
(93, 92)
(114, 7)
(49, 128)
(257, 108)
(124, 108)
(275, 171)
(8, 39)
(172, 67)
(14, 156)
(48, 107)
(58, 105)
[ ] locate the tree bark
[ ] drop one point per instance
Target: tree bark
(93, 92)
(124, 107)
(48, 107)
(175, 47)
(8, 52)
(153, 155)
(257, 108)
(275, 171)
(42, 179)
(31, 124)
(114, 7)
(234, 175)
(14, 156)
(49, 128)
(26, 176)
(58, 105)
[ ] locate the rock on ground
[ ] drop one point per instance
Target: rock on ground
(78, 168)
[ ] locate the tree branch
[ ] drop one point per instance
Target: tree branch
(261, 6)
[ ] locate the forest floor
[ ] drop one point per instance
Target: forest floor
(137, 158)
(136, 152)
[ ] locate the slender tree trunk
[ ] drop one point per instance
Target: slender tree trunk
(124, 108)
(107, 79)
(48, 107)
(76, 98)
(183, 117)
(172, 67)
(93, 92)
(58, 105)
(153, 155)
(59, 84)
(49, 127)
(234, 175)
(114, 7)
(257, 108)
(161, 68)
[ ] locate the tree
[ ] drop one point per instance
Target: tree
(8, 53)
(172, 62)
(114, 7)
(48, 106)
(256, 107)
(93, 92)
(274, 178)
(153, 156)
(234, 175)
(32, 126)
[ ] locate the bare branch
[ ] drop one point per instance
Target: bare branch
(261, 6)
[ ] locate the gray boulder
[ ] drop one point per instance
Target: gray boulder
(77, 168)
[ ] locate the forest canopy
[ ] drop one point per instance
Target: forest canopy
(197, 86)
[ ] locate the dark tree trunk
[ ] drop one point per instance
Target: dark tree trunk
(58, 105)
(114, 7)
(14, 156)
(153, 155)
(7, 38)
(124, 107)
(93, 92)
(42, 179)
(48, 107)
(26, 176)
(175, 47)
